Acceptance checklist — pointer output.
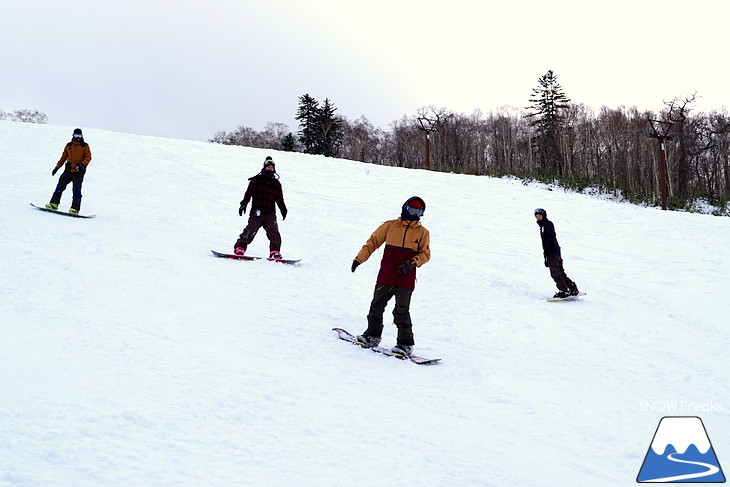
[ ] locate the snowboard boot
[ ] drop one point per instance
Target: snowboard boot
(573, 289)
(367, 342)
(73, 211)
(402, 350)
(52, 206)
(561, 294)
(274, 254)
(240, 251)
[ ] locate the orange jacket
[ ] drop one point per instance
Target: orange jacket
(75, 153)
(404, 240)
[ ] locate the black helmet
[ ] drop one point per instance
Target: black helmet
(540, 211)
(413, 208)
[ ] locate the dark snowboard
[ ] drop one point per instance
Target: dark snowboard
(249, 257)
(61, 212)
(349, 337)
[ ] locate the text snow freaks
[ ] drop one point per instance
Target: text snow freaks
(680, 407)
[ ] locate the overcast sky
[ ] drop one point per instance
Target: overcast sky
(187, 69)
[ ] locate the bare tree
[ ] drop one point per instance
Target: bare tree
(29, 116)
(362, 141)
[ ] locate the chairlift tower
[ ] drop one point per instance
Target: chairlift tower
(428, 125)
(660, 131)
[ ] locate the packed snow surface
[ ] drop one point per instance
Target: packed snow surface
(130, 356)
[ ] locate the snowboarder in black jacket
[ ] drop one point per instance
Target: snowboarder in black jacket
(264, 191)
(553, 260)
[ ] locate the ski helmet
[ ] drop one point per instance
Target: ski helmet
(413, 208)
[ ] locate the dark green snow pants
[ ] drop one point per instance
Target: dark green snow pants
(401, 312)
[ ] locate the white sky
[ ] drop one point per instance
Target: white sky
(189, 69)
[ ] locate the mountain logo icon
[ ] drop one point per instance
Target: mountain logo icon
(680, 452)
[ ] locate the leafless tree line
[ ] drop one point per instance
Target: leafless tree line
(25, 115)
(607, 149)
(274, 136)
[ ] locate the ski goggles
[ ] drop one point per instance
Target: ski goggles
(78, 136)
(414, 211)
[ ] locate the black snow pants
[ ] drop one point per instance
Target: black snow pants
(555, 263)
(77, 178)
(268, 221)
(401, 312)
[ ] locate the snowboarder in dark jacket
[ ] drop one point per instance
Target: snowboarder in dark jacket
(264, 192)
(76, 155)
(407, 247)
(553, 259)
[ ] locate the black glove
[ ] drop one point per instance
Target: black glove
(80, 168)
(354, 265)
(55, 170)
(406, 266)
(283, 214)
(242, 209)
(546, 262)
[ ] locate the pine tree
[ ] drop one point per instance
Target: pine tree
(307, 115)
(329, 130)
(546, 102)
(288, 142)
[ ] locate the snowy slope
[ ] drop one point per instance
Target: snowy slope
(129, 356)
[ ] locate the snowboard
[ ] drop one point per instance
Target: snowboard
(65, 213)
(569, 298)
(349, 337)
(250, 257)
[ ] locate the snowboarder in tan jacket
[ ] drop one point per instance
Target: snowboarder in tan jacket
(76, 155)
(406, 248)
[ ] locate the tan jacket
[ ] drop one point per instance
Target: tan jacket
(74, 153)
(404, 240)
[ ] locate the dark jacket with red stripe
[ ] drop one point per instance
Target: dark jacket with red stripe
(265, 193)
(404, 240)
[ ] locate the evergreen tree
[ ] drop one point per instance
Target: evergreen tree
(329, 130)
(288, 142)
(307, 115)
(547, 122)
